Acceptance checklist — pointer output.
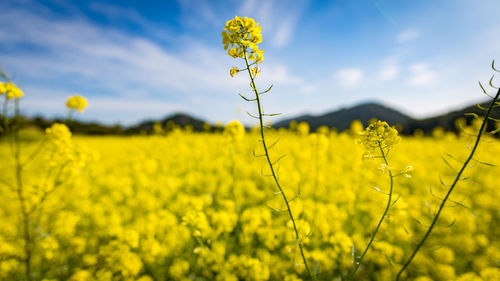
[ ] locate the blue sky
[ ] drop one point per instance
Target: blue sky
(135, 60)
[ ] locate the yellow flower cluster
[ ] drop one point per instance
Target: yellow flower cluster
(234, 130)
(76, 102)
(53, 164)
(59, 134)
(378, 135)
(10, 90)
(240, 37)
(184, 207)
(65, 155)
(234, 70)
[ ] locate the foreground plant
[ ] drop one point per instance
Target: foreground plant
(482, 130)
(11, 132)
(75, 103)
(378, 139)
(240, 37)
(58, 165)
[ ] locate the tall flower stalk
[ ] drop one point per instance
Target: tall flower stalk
(378, 139)
(494, 103)
(59, 137)
(243, 35)
(11, 132)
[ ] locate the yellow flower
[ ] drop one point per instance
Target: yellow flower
(233, 71)
(255, 71)
(243, 35)
(12, 91)
(303, 128)
(59, 134)
(179, 269)
(378, 135)
(259, 56)
(2, 88)
(233, 52)
(235, 130)
(76, 102)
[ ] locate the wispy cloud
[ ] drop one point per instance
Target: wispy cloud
(128, 54)
(130, 110)
(118, 14)
(389, 71)
(102, 61)
(408, 35)
(349, 77)
(279, 17)
(199, 11)
(421, 75)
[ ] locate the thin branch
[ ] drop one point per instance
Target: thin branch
(384, 215)
(450, 190)
(275, 177)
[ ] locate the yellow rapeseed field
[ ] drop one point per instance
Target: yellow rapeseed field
(196, 206)
(234, 205)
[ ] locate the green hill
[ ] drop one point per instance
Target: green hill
(341, 119)
(447, 120)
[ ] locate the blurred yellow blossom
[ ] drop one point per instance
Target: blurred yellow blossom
(378, 135)
(235, 130)
(136, 213)
(3, 89)
(12, 91)
(59, 134)
(233, 71)
(76, 102)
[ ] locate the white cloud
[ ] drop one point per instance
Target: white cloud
(349, 77)
(129, 110)
(284, 33)
(421, 75)
(389, 71)
(106, 65)
(279, 17)
(307, 89)
(248, 6)
(109, 58)
(279, 74)
(408, 35)
(101, 104)
(196, 11)
(130, 15)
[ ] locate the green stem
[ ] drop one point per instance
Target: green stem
(20, 193)
(34, 154)
(70, 115)
(4, 115)
(457, 178)
(6, 123)
(358, 262)
(261, 122)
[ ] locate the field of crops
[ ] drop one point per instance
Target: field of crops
(200, 206)
(231, 204)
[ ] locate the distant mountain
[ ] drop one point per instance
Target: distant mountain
(447, 120)
(94, 128)
(341, 119)
(180, 119)
(77, 127)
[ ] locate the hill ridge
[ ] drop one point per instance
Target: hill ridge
(342, 118)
